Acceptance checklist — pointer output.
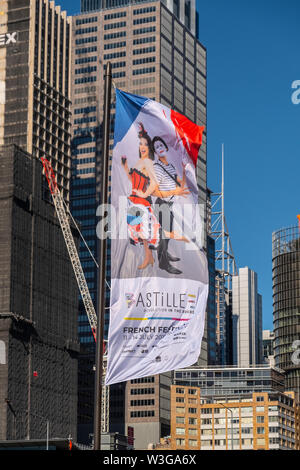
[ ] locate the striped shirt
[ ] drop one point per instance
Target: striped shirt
(166, 176)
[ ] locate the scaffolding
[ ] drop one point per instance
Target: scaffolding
(225, 265)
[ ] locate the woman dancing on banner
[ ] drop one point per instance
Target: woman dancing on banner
(142, 223)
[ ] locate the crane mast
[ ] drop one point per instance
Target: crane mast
(67, 233)
(59, 205)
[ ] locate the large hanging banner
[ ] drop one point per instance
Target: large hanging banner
(159, 276)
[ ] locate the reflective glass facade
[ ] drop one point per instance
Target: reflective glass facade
(225, 381)
(286, 303)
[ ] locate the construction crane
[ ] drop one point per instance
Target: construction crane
(60, 208)
(61, 211)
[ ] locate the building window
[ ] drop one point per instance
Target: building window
(207, 411)
(193, 421)
(149, 29)
(144, 50)
(85, 60)
(260, 442)
(86, 119)
(192, 443)
(179, 399)
(180, 409)
(142, 414)
(114, 55)
(144, 70)
(144, 10)
(260, 409)
(180, 419)
(118, 74)
(89, 69)
(246, 430)
(86, 40)
(144, 40)
(260, 398)
(142, 402)
(260, 430)
(85, 80)
(144, 60)
(115, 45)
(92, 29)
(193, 431)
(86, 110)
(112, 16)
(121, 24)
(180, 431)
(145, 19)
(192, 410)
(180, 442)
(142, 391)
(260, 419)
(91, 19)
(208, 421)
(116, 65)
(206, 443)
(86, 50)
(119, 34)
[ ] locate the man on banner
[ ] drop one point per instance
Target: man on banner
(169, 181)
(157, 310)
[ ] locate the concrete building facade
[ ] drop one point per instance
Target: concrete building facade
(259, 421)
(246, 319)
(35, 82)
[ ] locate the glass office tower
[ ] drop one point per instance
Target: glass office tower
(286, 304)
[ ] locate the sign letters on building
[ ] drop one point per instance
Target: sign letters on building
(8, 38)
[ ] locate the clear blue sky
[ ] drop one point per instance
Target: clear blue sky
(253, 58)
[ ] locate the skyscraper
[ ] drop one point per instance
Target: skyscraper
(286, 304)
(184, 10)
(35, 82)
(38, 308)
(154, 52)
(246, 319)
(268, 347)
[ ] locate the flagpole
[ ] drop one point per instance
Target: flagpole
(102, 263)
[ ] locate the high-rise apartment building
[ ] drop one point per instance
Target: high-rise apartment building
(246, 319)
(38, 308)
(286, 304)
(154, 52)
(35, 82)
(257, 421)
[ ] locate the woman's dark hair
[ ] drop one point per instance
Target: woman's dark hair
(143, 134)
(159, 139)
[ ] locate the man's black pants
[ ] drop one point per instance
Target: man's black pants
(165, 217)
